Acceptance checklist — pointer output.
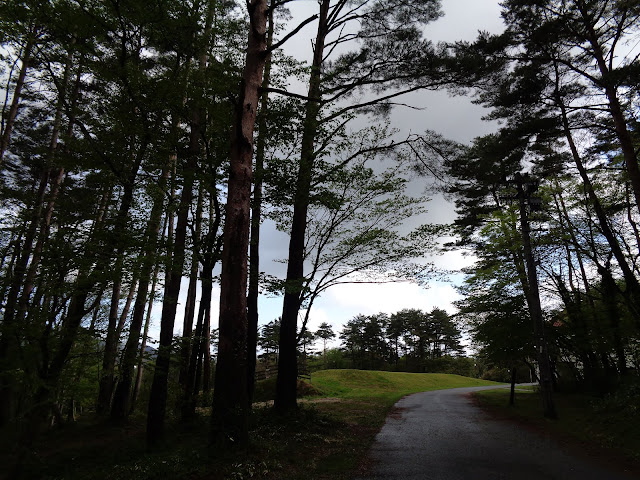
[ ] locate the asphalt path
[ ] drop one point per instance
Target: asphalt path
(442, 435)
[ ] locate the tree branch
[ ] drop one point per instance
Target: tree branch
(279, 43)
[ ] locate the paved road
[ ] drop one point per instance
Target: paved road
(441, 435)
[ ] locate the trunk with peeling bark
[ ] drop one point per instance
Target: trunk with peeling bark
(230, 413)
(256, 220)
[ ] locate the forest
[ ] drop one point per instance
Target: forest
(143, 143)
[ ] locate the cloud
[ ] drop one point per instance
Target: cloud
(346, 301)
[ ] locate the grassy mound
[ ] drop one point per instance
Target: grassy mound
(386, 385)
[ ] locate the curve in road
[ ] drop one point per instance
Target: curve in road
(442, 435)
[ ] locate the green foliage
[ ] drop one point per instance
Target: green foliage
(409, 340)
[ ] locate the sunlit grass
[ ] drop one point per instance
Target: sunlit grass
(387, 386)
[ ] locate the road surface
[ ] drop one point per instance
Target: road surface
(442, 435)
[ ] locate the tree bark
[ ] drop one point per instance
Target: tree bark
(22, 276)
(512, 393)
(191, 381)
(287, 366)
(256, 219)
(230, 400)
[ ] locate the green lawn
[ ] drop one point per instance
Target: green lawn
(386, 386)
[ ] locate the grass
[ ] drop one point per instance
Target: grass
(386, 386)
(328, 438)
(589, 425)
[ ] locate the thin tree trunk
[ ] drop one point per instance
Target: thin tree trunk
(206, 368)
(287, 366)
(512, 394)
(158, 399)
(190, 307)
(143, 345)
(23, 277)
(120, 407)
(609, 294)
(535, 310)
(105, 391)
(56, 183)
(191, 384)
(230, 412)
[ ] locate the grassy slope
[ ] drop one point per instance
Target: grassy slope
(386, 386)
(583, 421)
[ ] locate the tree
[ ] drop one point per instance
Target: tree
(230, 400)
(268, 339)
(325, 333)
(385, 27)
(363, 338)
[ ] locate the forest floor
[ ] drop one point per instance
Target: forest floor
(601, 428)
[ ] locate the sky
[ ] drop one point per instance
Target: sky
(455, 118)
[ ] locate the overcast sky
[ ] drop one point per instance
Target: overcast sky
(453, 117)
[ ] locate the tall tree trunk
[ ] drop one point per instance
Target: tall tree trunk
(10, 329)
(143, 344)
(512, 393)
(609, 297)
(11, 321)
(230, 413)
(191, 384)
(56, 183)
(105, 390)
(190, 307)
(120, 407)
(206, 367)
(287, 366)
(175, 265)
(256, 220)
(535, 309)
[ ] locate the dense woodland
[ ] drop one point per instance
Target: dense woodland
(146, 142)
